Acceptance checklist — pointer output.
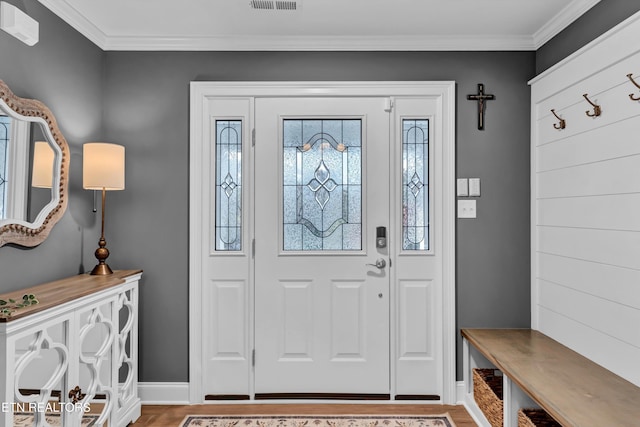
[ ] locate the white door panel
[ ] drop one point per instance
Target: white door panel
(322, 316)
(417, 273)
(226, 291)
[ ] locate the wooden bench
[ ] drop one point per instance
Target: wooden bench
(574, 390)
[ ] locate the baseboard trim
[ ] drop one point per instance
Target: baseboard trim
(177, 393)
(164, 393)
(460, 394)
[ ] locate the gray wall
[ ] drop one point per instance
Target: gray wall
(146, 105)
(65, 71)
(595, 22)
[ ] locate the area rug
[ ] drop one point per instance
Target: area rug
(317, 421)
(22, 419)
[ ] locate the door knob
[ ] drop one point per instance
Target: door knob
(380, 263)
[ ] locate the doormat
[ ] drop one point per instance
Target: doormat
(443, 420)
(25, 419)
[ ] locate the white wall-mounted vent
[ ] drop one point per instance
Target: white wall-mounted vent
(18, 24)
(276, 4)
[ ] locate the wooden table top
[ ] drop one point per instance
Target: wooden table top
(60, 291)
(571, 388)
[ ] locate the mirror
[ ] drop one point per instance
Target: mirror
(34, 170)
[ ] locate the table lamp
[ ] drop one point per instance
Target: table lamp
(102, 169)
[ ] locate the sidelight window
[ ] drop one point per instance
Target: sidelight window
(5, 133)
(228, 148)
(415, 184)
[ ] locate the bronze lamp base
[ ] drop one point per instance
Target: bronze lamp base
(102, 253)
(101, 270)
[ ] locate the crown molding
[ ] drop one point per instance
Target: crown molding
(332, 43)
(562, 20)
(76, 20)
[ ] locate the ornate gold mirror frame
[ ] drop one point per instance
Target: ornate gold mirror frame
(20, 231)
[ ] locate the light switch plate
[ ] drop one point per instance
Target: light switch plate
(474, 187)
(462, 187)
(466, 209)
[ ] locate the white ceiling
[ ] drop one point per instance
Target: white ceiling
(320, 24)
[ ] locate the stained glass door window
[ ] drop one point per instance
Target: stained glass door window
(322, 185)
(228, 185)
(415, 185)
(5, 133)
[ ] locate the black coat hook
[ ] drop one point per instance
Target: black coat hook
(596, 108)
(562, 123)
(633, 98)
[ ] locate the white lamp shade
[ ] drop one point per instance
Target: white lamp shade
(102, 166)
(43, 158)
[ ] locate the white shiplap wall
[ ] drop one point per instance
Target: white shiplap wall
(586, 202)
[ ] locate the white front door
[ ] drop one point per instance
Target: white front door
(321, 190)
(285, 294)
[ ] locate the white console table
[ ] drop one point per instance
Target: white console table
(73, 354)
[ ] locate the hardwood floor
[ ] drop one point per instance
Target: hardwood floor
(170, 416)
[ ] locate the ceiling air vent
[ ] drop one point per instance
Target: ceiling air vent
(276, 4)
(286, 5)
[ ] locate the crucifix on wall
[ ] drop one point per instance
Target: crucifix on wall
(481, 97)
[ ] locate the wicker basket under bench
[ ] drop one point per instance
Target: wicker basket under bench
(573, 390)
(487, 392)
(536, 418)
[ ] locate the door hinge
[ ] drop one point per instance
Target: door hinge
(253, 248)
(253, 137)
(253, 358)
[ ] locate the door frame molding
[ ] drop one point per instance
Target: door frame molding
(200, 95)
